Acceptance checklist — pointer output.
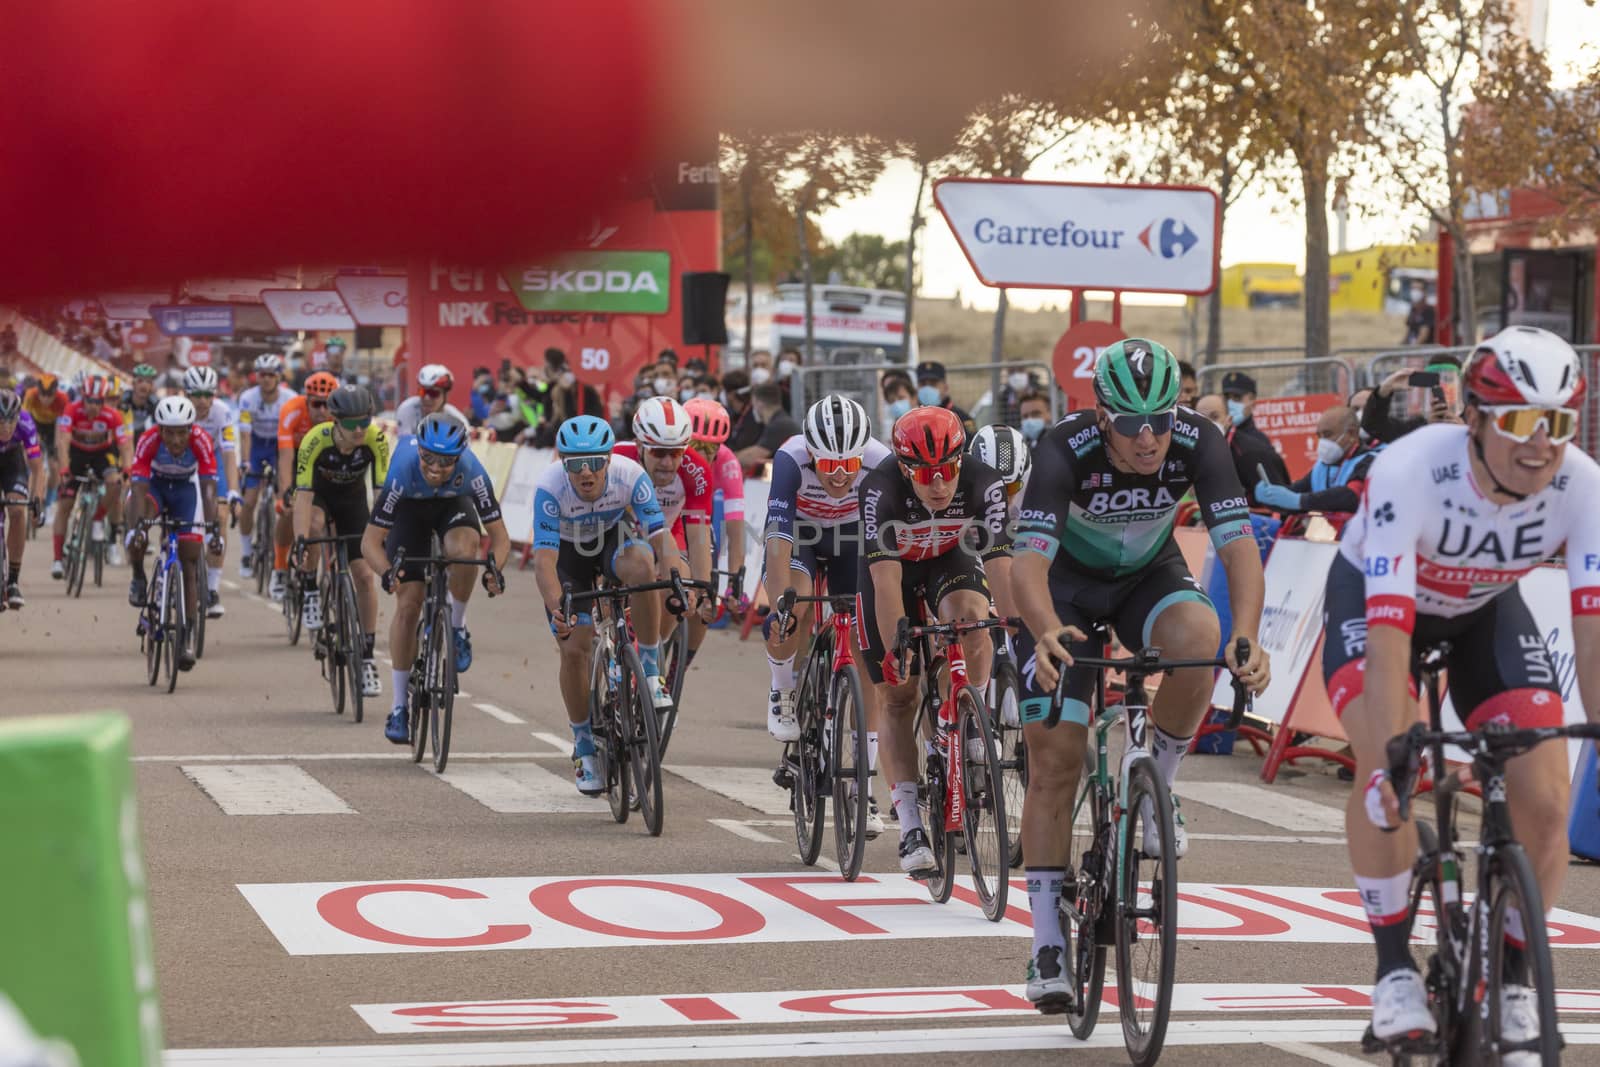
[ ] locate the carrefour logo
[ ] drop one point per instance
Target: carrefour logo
(1067, 234)
(1172, 238)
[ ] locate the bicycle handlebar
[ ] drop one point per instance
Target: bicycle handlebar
(1148, 661)
(677, 584)
(1495, 742)
(784, 608)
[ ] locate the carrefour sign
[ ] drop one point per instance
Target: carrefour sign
(619, 282)
(1068, 235)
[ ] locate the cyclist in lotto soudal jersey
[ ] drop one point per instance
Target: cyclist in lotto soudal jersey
(22, 483)
(579, 536)
(216, 418)
(933, 523)
(259, 407)
(1094, 542)
(1453, 516)
(90, 438)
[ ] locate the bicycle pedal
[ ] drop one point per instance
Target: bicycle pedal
(783, 778)
(1409, 1045)
(1054, 1004)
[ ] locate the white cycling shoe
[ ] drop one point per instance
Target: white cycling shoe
(660, 695)
(371, 684)
(587, 776)
(311, 609)
(1519, 1022)
(781, 723)
(276, 585)
(1151, 845)
(874, 824)
(1400, 1007)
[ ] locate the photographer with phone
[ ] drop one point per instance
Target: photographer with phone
(1442, 402)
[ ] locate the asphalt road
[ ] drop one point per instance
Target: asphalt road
(527, 927)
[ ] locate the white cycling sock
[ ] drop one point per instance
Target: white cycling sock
(782, 672)
(458, 612)
(401, 680)
(872, 750)
(1168, 751)
(246, 545)
(1044, 890)
(904, 795)
(213, 578)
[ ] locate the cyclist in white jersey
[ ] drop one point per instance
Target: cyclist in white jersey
(216, 418)
(259, 407)
(433, 385)
(1453, 516)
(580, 504)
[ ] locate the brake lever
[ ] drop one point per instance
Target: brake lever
(1405, 759)
(1241, 693)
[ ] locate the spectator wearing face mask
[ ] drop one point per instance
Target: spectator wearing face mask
(934, 391)
(899, 395)
(788, 363)
(760, 367)
(685, 388)
(736, 398)
(1018, 381)
(1033, 410)
(567, 398)
(483, 395)
(777, 426)
(1250, 447)
(1421, 318)
(1335, 482)
(1442, 401)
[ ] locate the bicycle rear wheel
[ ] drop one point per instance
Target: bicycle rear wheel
(644, 742)
(674, 652)
(1085, 897)
(98, 550)
(852, 773)
(351, 641)
(1512, 891)
(261, 550)
(150, 621)
(77, 544)
(441, 678)
(806, 796)
(983, 805)
(1011, 750)
(292, 603)
(1147, 914)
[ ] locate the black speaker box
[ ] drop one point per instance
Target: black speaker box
(705, 298)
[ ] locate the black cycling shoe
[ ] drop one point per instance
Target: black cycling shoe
(137, 590)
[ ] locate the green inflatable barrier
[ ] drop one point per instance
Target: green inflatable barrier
(75, 953)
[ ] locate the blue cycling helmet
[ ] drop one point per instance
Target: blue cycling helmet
(442, 435)
(584, 435)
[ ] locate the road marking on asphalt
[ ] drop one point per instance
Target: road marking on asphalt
(1259, 839)
(1318, 1054)
(241, 757)
(265, 789)
(561, 745)
(1273, 806)
(230, 584)
(978, 1040)
(500, 713)
(751, 786)
(822, 861)
(744, 830)
(521, 789)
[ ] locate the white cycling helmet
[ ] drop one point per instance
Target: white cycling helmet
(836, 428)
(1004, 449)
(1525, 366)
(435, 376)
(268, 363)
(199, 380)
(175, 411)
(662, 422)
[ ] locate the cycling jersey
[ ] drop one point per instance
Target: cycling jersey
(1430, 543)
(1113, 523)
(153, 460)
(294, 422)
(24, 439)
(560, 515)
(258, 418)
(408, 416)
(727, 477)
(688, 495)
(320, 464)
(140, 416)
(220, 426)
(16, 453)
(406, 482)
(100, 432)
(798, 496)
(44, 409)
(895, 524)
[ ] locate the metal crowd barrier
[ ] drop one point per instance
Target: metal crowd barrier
(1286, 377)
(859, 381)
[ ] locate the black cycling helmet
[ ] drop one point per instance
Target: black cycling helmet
(350, 402)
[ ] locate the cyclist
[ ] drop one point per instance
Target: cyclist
(435, 487)
(814, 531)
(433, 386)
(92, 432)
(176, 469)
(336, 460)
(1005, 449)
(22, 485)
(579, 536)
(932, 524)
(45, 402)
(711, 428)
(216, 418)
(138, 402)
(259, 407)
(1094, 541)
(1437, 558)
(297, 416)
(682, 481)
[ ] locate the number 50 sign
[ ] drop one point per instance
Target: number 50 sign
(1074, 356)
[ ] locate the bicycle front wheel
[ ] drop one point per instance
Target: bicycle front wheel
(77, 545)
(852, 773)
(1012, 752)
(644, 742)
(807, 798)
(172, 621)
(1147, 913)
(98, 549)
(441, 676)
(1084, 900)
(1521, 984)
(352, 642)
(198, 573)
(983, 803)
(151, 622)
(326, 643)
(674, 653)
(291, 608)
(930, 804)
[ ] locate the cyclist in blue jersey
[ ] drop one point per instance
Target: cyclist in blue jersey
(435, 487)
(597, 514)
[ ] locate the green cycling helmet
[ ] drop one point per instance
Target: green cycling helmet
(1136, 377)
(145, 370)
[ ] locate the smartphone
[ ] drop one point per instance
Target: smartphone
(1438, 395)
(1422, 379)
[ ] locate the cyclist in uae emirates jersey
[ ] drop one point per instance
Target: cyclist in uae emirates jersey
(1453, 516)
(933, 524)
(1094, 542)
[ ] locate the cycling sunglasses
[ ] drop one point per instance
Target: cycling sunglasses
(313, 402)
(433, 394)
(1013, 488)
(355, 425)
(663, 453)
(435, 460)
(849, 465)
(582, 464)
(925, 473)
(1159, 422)
(196, 394)
(1520, 424)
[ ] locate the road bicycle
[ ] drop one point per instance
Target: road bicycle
(622, 715)
(674, 651)
(266, 526)
(1119, 895)
(164, 624)
(1005, 701)
(431, 691)
(85, 544)
(340, 642)
(831, 756)
(1468, 967)
(961, 794)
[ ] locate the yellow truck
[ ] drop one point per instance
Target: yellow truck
(1380, 278)
(1261, 285)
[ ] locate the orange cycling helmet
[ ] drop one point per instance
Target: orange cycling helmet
(709, 419)
(928, 436)
(321, 385)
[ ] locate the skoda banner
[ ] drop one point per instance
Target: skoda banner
(1066, 235)
(637, 283)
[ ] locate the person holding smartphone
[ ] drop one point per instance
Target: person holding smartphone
(1442, 377)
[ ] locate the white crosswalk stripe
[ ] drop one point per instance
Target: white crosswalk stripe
(265, 789)
(751, 786)
(521, 789)
(1273, 806)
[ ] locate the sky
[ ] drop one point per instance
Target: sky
(1262, 226)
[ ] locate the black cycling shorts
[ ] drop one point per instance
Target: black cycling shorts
(1131, 604)
(346, 508)
(581, 565)
(80, 463)
(833, 554)
(15, 478)
(418, 519)
(47, 438)
(929, 580)
(1498, 667)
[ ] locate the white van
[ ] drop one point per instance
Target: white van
(842, 316)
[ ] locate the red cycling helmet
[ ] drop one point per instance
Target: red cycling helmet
(709, 419)
(95, 387)
(928, 436)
